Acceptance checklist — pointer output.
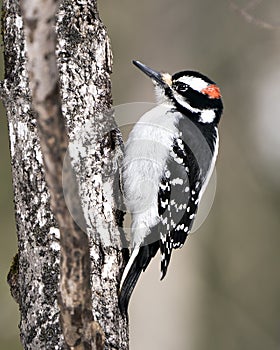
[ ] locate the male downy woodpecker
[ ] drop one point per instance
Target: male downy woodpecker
(169, 157)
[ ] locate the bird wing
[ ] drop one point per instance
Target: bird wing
(177, 200)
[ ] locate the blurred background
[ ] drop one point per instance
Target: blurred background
(222, 289)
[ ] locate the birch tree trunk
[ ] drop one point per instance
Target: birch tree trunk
(84, 61)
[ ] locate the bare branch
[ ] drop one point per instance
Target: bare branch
(250, 18)
(252, 4)
(75, 291)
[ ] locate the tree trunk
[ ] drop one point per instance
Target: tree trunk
(84, 61)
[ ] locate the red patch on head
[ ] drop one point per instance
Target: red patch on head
(212, 91)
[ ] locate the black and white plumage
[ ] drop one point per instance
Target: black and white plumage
(169, 157)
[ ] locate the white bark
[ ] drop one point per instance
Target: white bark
(84, 60)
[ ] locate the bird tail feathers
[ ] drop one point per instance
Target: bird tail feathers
(139, 260)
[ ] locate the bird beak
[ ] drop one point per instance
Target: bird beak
(163, 79)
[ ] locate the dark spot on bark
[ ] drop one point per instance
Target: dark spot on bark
(46, 56)
(50, 121)
(98, 340)
(32, 24)
(42, 254)
(50, 278)
(31, 335)
(102, 255)
(12, 279)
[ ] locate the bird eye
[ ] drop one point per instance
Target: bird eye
(181, 87)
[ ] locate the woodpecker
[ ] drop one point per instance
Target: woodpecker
(168, 160)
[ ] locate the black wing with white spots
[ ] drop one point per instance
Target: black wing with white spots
(177, 200)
